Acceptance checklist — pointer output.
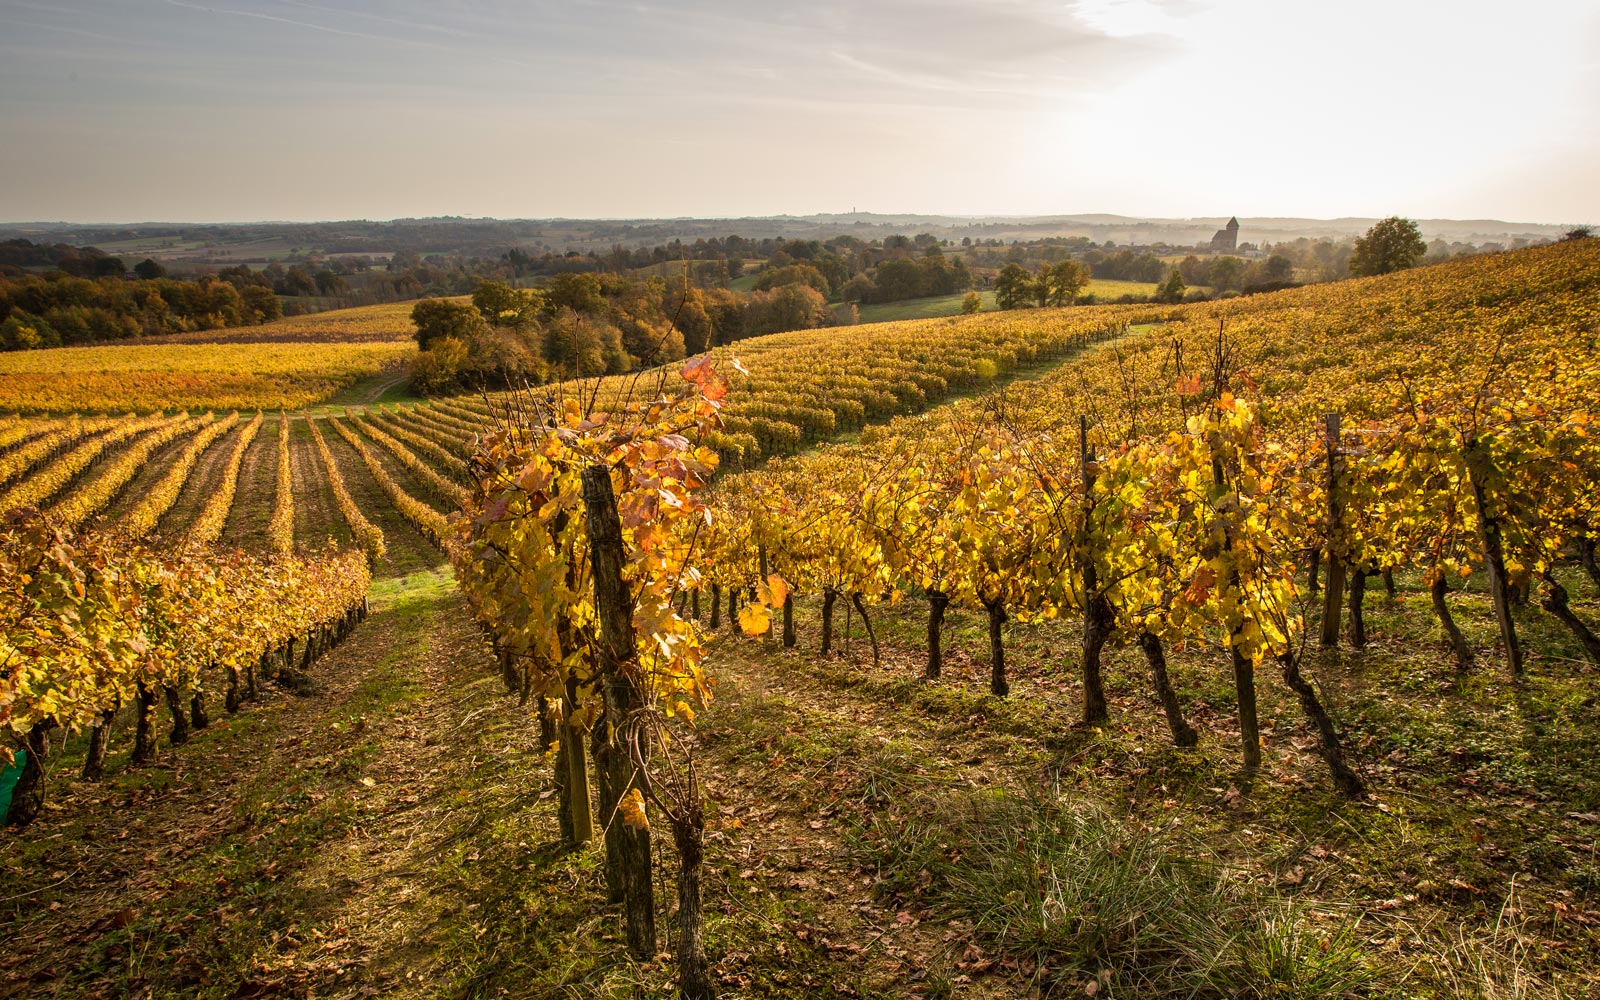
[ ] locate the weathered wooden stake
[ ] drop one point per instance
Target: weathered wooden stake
(626, 752)
(1098, 617)
(1334, 594)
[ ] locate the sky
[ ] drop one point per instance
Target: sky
(238, 110)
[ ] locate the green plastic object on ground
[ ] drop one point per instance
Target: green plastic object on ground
(8, 781)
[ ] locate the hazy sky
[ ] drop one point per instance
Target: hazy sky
(122, 110)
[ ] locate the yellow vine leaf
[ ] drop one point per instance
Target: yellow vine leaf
(754, 619)
(778, 588)
(631, 806)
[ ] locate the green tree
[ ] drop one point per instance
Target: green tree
(436, 370)
(971, 303)
(22, 331)
(1066, 280)
(261, 303)
(861, 288)
(1279, 268)
(1392, 245)
(787, 307)
(329, 283)
(1172, 289)
(1013, 287)
(1041, 285)
(793, 274)
(436, 318)
(504, 306)
(1227, 273)
(149, 270)
(579, 292)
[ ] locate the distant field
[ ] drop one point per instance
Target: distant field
(950, 305)
(149, 245)
(363, 324)
(147, 377)
(1105, 289)
(930, 308)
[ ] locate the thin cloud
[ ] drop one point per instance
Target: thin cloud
(331, 30)
(440, 29)
(62, 28)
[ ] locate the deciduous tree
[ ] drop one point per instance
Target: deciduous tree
(1392, 245)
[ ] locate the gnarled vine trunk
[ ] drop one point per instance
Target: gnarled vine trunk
(27, 795)
(1555, 602)
(1358, 621)
(180, 720)
(1494, 556)
(144, 742)
(1183, 734)
(1458, 642)
(94, 759)
(872, 635)
(1587, 560)
(1344, 778)
(688, 833)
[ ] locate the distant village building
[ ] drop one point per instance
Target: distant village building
(1227, 238)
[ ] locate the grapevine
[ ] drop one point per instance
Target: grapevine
(208, 527)
(280, 531)
(143, 518)
(368, 535)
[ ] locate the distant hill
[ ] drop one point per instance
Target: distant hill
(256, 243)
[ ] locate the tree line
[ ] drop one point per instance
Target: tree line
(582, 325)
(58, 309)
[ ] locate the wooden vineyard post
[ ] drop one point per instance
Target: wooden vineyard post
(938, 600)
(576, 801)
(624, 751)
(998, 686)
(1333, 594)
(1098, 618)
(829, 596)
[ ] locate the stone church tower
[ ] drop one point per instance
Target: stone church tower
(1227, 238)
